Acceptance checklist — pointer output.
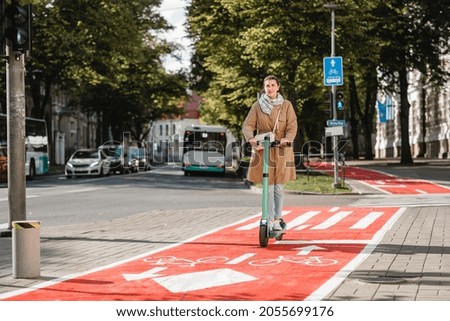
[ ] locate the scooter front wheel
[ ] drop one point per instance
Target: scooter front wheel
(263, 236)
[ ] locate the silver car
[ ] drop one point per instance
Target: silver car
(87, 162)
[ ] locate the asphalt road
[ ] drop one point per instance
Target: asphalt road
(56, 200)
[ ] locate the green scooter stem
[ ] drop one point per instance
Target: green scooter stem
(265, 184)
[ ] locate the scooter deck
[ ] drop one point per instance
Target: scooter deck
(278, 235)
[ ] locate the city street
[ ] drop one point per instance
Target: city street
(177, 237)
(55, 200)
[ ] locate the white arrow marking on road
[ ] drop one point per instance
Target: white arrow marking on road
(202, 280)
(144, 275)
(308, 249)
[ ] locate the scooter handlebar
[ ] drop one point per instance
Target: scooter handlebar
(275, 143)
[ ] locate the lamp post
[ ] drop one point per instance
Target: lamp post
(333, 7)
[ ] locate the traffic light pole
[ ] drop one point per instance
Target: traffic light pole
(333, 7)
(17, 37)
(15, 85)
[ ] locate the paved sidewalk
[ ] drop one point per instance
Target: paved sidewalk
(412, 262)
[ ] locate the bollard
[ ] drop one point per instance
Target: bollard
(26, 251)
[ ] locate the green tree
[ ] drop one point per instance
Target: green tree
(237, 43)
(108, 56)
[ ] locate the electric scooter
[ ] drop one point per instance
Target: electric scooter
(265, 226)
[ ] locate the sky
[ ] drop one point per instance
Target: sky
(174, 12)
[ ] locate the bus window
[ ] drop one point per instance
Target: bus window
(204, 149)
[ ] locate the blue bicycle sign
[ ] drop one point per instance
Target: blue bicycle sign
(333, 74)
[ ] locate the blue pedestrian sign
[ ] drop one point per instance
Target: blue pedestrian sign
(333, 74)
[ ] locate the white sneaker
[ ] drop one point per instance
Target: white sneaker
(277, 226)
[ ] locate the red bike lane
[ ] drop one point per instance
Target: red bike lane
(386, 183)
(322, 244)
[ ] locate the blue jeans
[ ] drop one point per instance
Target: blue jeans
(275, 201)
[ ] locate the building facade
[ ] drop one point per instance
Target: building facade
(429, 120)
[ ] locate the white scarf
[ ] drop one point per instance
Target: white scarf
(267, 103)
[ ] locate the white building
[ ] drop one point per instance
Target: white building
(166, 137)
(429, 121)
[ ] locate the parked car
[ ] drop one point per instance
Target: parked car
(114, 153)
(142, 157)
(87, 162)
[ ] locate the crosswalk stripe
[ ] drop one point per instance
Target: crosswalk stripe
(333, 220)
(366, 220)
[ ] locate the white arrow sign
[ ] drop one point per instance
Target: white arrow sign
(144, 275)
(308, 249)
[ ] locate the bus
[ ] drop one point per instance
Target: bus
(204, 149)
(36, 147)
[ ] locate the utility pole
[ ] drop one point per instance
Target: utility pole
(16, 19)
(16, 138)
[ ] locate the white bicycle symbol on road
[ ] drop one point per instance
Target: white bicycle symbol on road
(311, 261)
(181, 262)
(173, 260)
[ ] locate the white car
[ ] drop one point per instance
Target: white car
(87, 162)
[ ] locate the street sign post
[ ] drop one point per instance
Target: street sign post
(333, 74)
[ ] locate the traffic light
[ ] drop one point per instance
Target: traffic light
(340, 100)
(18, 26)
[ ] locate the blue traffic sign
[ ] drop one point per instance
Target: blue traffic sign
(333, 74)
(335, 122)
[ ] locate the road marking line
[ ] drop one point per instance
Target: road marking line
(144, 275)
(333, 282)
(333, 220)
(366, 220)
(241, 258)
(307, 249)
(255, 224)
(301, 242)
(302, 227)
(299, 220)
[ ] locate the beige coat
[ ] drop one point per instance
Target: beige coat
(281, 163)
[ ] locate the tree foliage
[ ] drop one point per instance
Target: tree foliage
(237, 43)
(108, 56)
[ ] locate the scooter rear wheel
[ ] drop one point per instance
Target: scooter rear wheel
(263, 236)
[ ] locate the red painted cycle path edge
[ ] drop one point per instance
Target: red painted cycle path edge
(390, 184)
(229, 264)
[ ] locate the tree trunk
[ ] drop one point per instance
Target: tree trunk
(354, 111)
(406, 158)
(369, 110)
